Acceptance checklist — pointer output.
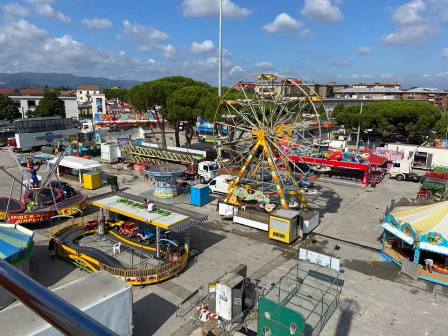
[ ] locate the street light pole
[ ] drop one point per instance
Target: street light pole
(220, 51)
(359, 128)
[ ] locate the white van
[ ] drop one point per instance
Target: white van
(220, 183)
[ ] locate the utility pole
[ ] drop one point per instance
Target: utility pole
(220, 51)
(359, 128)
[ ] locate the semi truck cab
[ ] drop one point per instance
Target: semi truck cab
(402, 171)
(207, 171)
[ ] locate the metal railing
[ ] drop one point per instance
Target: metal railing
(65, 317)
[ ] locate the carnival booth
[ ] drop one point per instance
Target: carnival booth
(416, 234)
(76, 166)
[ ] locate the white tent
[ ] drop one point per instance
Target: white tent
(77, 163)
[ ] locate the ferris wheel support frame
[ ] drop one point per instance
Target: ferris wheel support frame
(261, 143)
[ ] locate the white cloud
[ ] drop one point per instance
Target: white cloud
(146, 36)
(65, 54)
(410, 13)
(202, 47)
(97, 23)
(264, 65)
(137, 30)
(409, 34)
(340, 62)
(445, 53)
(364, 51)
(443, 74)
(325, 11)
(197, 8)
(413, 27)
(45, 8)
(169, 51)
(283, 23)
(15, 9)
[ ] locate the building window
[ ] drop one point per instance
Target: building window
(31, 103)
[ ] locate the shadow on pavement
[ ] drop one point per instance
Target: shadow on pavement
(150, 313)
(45, 270)
(202, 239)
(348, 308)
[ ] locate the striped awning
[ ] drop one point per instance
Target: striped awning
(426, 218)
(398, 233)
(13, 242)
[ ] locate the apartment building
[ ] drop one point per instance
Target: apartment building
(391, 91)
(85, 92)
(28, 99)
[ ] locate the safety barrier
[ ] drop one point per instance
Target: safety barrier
(135, 277)
(151, 275)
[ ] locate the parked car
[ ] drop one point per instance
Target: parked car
(91, 225)
(146, 236)
(129, 229)
(66, 188)
(114, 225)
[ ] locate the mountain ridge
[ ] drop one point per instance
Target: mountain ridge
(41, 80)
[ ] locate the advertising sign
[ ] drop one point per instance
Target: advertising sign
(319, 259)
(224, 301)
(27, 218)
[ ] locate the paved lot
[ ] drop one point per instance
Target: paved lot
(375, 299)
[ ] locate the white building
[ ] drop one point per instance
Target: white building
(29, 103)
(85, 92)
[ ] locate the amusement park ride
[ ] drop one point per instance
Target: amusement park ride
(39, 200)
(263, 122)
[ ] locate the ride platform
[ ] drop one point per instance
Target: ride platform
(164, 219)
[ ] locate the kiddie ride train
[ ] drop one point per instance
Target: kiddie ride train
(40, 200)
(140, 246)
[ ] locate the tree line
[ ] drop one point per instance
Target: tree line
(412, 119)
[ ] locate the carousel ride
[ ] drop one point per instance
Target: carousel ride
(263, 122)
(39, 200)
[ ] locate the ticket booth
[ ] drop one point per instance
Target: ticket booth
(288, 225)
(283, 225)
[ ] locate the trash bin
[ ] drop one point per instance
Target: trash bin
(200, 194)
(113, 182)
(92, 181)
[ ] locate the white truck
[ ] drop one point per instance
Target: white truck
(207, 171)
(402, 171)
(220, 184)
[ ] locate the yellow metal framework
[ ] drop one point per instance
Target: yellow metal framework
(262, 144)
(141, 154)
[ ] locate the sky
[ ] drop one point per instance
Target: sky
(343, 41)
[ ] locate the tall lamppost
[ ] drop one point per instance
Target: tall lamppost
(220, 51)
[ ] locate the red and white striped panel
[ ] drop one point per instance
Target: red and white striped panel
(207, 313)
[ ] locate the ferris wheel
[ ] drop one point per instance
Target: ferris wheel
(262, 123)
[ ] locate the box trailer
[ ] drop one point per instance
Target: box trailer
(423, 157)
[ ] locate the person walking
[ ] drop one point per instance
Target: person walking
(429, 264)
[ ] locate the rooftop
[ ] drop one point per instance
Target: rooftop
(89, 87)
(369, 90)
(31, 92)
